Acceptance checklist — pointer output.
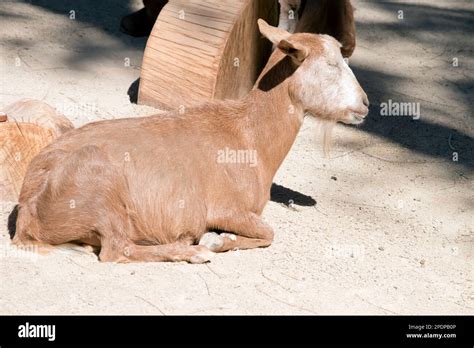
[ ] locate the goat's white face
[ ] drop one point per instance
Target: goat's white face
(327, 87)
(323, 83)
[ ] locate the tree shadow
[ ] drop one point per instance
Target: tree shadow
(103, 16)
(445, 125)
(446, 31)
(417, 135)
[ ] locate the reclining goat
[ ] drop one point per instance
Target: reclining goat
(149, 188)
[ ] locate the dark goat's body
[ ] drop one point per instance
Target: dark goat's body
(331, 17)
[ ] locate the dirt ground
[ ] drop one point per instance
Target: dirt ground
(384, 225)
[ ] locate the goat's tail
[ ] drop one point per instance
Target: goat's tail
(12, 218)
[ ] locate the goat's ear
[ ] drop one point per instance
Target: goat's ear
(275, 35)
(296, 51)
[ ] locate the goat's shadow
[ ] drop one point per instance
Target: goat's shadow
(133, 91)
(286, 196)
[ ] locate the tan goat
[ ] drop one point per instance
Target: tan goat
(148, 189)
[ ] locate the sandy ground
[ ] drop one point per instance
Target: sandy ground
(382, 226)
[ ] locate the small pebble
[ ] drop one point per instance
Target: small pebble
(333, 178)
(422, 262)
(381, 248)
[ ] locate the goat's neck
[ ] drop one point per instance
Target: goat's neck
(276, 121)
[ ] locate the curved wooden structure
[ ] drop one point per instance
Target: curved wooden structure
(27, 126)
(204, 49)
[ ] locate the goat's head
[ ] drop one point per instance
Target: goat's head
(322, 83)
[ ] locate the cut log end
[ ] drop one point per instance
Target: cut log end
(30, 126)
(200, 50)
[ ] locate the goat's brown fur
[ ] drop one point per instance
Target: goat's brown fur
(148, 189)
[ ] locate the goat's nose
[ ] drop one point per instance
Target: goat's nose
(365, 100)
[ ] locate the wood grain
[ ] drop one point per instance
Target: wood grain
(31, 125)
(204, 49)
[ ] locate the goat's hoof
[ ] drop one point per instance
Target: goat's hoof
(202, 257)
(231, 236)
(212, 241)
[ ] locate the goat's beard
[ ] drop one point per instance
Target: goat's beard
(325, 128)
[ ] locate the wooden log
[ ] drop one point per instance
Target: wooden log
(204, 49)
(29, 125)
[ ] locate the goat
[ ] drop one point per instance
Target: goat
(331, 17)
(149, 188)
(289, 14)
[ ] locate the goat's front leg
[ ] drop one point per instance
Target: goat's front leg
(174, 252)
(248, 231)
